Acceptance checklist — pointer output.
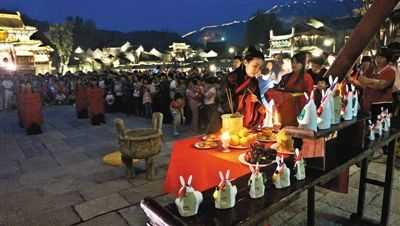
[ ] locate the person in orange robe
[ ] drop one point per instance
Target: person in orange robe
(248, 92)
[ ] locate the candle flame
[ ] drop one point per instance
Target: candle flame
(225, 136)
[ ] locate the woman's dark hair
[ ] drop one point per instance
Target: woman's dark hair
(251, 52)
(276, 67)
(178, 96)
(386, 53)
(317, 60)
(366, 59)
(237, 57)
(300, 58)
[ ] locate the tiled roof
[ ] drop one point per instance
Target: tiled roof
(11, 20)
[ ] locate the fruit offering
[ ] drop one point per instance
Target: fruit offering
(242, 138)
(266, 135)
(259, 154)
(284, 142)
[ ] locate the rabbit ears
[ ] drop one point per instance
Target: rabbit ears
(297, 151)
(353, 88)
(221, 175)
(332, 81)
(308, 98)
(183, 183)
(280, 160)
(325, 93)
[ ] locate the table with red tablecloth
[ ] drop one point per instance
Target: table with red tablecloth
(203, 165)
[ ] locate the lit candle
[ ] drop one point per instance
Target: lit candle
(225, 138)
(276, 119)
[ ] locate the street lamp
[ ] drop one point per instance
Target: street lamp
(231, 50)
(213, 68)
(317, 52)
(328, 42)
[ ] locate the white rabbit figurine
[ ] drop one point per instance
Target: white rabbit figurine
(371, 131)
(268, 121)
(299, 166)
(348, 109)
(281, 177)
(225, 194)
(308, 116)
(256, 182)
(332, 88)
(379, 126)
(324, 111)
(188, 200)
(356, 105)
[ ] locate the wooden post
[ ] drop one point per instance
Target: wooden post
(361, 35)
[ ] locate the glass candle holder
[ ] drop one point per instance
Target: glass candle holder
(225, 139)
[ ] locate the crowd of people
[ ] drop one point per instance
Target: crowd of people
(183, 97)
(198, 97)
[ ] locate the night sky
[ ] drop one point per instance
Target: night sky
(128, 15)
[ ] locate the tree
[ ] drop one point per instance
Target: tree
(85, 32)
(257, 30)
(61, 37)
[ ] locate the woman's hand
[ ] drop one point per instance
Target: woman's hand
(262, 110)
(253, 98)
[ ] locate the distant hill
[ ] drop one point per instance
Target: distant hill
(230, 33)
(148, 39)
(95, 38)
(288, 14)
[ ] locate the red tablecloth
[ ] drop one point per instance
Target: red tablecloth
(202, 164)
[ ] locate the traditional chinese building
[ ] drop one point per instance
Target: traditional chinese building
(180, 51)
(311, 37)
(18, 52)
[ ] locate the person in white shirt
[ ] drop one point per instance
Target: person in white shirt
(194, 96)
(172, 88)
(8, 86)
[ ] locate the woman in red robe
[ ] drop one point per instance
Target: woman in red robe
(248, 92)
(298, 80)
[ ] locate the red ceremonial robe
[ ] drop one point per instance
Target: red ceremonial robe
(253, 112)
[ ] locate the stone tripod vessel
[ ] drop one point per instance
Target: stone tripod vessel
(140, 144)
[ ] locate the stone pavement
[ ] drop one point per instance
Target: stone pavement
(57, 178)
